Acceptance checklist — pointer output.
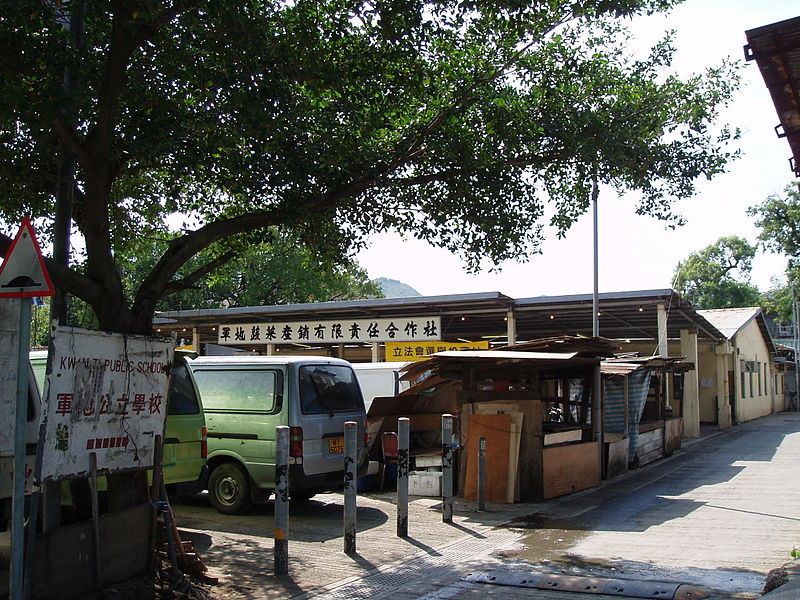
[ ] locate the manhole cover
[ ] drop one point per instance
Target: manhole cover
(590, 585)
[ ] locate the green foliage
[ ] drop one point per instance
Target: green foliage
(280, 271)
(777, 301)
(718, 275)
(454, 122)
(778, 217)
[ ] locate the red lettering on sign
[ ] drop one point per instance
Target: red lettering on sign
(155, 403)
(122, 409)
(63, 404)
(139, 403)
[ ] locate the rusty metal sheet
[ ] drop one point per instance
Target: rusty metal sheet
(656, 590)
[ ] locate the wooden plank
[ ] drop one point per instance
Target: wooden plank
(616, 455)
(511, 408)
(531, 462)
(673, 435)
(570, 468)
(497, 430)
(63, 565)
(466, 444)
(512, 489)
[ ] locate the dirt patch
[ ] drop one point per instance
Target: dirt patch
(775, 579)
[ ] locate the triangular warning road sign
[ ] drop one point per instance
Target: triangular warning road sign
(23, 274)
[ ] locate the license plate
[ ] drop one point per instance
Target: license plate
(336, 446)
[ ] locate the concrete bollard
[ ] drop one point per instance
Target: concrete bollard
(403, 428)
(447, 468)
(281, 530)
(482, 474)
(350, 458)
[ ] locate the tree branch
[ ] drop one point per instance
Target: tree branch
(173, 287)
(183, 248)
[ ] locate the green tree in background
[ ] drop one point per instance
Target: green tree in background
(718, 275)
(778, 217)
(281, 271)
(327, 121)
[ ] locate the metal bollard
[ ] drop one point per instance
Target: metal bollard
(482, 474)
(447, 468)
(281, 530)
(403, 428)
(350, 450)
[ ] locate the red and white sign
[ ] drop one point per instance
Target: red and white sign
(107, 394)
(23, 274)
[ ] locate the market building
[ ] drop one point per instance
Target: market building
(648, 322)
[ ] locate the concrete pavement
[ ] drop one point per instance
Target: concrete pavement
(720, 514)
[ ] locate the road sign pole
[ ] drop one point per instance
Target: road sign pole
(447, 468)
(20, 420)
(350, 458)
(281, 531)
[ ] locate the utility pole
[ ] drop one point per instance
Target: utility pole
(62, 224)
(597, 387)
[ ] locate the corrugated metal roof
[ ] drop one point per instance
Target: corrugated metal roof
(623, 315)
(730, 320)
(776, 50)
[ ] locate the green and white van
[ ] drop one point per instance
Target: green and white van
(246, 397)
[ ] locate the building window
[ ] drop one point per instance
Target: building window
(758, 377)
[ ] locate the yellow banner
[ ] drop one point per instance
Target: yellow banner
(409, 351)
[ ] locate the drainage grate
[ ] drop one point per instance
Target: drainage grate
(656, 590)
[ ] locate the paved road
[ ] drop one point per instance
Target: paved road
(720, 514)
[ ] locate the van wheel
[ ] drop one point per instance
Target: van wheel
(229, 489)
(301, 496)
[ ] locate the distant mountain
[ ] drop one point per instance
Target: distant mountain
(392, 288)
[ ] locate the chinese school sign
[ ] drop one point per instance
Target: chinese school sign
(342, 331)
(107, 395)
(404, 352)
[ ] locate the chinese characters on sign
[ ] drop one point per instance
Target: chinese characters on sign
(404, 352)
(340, 331)
(106, 394)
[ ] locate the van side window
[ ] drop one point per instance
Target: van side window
(182, 397)
(238, 390)
(328, 389)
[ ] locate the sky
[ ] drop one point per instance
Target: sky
(638, 252)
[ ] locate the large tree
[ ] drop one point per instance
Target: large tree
(778, 218)
(329, 120)
(718, 276)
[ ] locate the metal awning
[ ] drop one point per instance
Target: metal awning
(776, 50)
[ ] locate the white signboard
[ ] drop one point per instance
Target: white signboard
(334, 331)
(9, 355)
(106, 395)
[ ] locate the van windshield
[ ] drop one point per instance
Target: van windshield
(329, 389)
(238, 390)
